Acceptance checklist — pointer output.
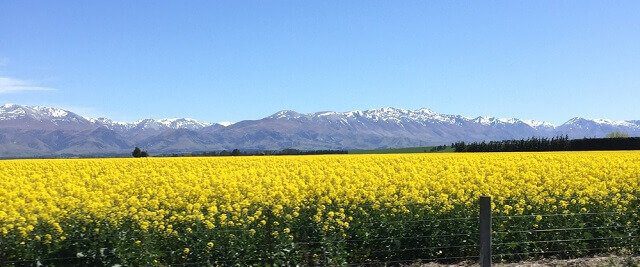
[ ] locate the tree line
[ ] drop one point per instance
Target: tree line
(237, 152)
(560, 143)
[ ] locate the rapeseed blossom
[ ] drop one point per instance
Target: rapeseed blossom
(210, 208)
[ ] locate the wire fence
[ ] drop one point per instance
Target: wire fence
(564, 235)
(369, 241)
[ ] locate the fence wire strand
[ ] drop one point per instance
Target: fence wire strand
(559, 229)
(397, 248)
(562, 240)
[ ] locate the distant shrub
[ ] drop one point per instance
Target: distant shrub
(138, 153)
(617, 134)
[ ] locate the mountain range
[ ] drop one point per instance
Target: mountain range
(31, 131)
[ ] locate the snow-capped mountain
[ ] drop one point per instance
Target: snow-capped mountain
(111, 124)
(387, 115)
(539, 124)
(598, 127)
(33, 131)
(161, 124)
(37, 117)
(13, 111)
(184, 123)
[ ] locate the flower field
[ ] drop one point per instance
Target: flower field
(311, 210)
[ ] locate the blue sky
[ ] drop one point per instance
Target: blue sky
(235, 60)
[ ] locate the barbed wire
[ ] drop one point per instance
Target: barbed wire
(328, 241)
(419, 221)
(426, 248)
(558, 251)
(559, 229)
(364, 263)
(554, 214)
(385, 251)
(562, 240)
(348, 240)
(246, 230)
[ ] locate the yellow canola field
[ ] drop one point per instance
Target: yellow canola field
(45, 202)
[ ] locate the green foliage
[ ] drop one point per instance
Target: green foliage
(617, 134)
(550, 144)
(237, 152)
(420, 149)
(377, 234)
(138, 153)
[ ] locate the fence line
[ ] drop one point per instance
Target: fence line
(392, 247)
(347, 240)
(558, 251)
(559, 229)
(564, 240)
(556, 214)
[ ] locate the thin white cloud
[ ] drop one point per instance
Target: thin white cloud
(11, 85)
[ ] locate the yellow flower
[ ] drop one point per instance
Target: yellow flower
(52, 200)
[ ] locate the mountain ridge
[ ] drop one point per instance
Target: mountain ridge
(38, 131)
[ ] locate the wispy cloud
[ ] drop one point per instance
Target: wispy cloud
(12, 85)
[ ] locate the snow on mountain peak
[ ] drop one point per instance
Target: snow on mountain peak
(109, 123)
(586, 123)
(578, 120)
(385, 114)
(101, 120)
(13, 111)
(398, 116)
(8, 105)
(575, 120)
(286, 114)
(183, 123)
(538, 124)
(389, 111)
(426, 111)
(614, 122)
(485, 120)
(326, 113)
(52, 112)
(10, 108)
(172, 123)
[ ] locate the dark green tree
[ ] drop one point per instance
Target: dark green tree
(617, 134)
(139, 153)
(136, 152)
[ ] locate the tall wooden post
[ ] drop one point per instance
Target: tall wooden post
(485, 231)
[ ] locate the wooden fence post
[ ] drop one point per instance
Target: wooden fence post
(485, 231)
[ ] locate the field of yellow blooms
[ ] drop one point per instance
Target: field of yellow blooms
(329, 209)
